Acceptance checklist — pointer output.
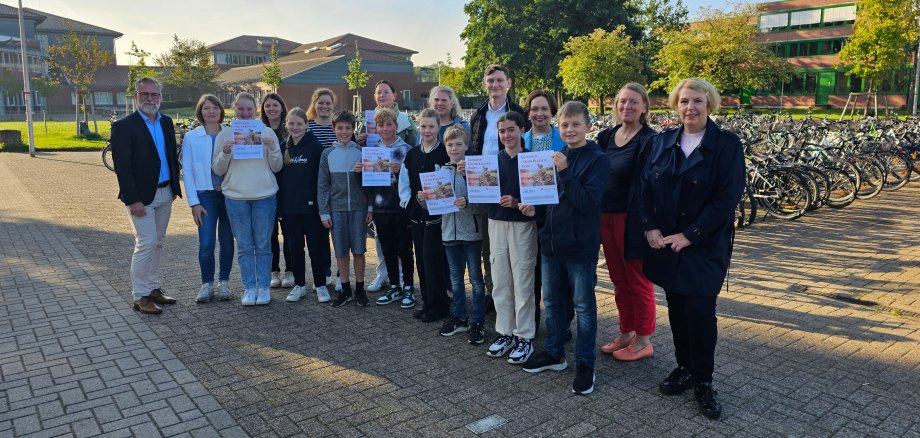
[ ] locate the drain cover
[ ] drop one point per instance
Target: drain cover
(484, 425)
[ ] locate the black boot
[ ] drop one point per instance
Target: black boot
(360, 295)
(706, 398)
(344, 296)
(679, 381)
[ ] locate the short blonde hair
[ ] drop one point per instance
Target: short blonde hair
(713, 99)
(384, 115)
(456, 132)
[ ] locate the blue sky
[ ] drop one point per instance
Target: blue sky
(430, 27)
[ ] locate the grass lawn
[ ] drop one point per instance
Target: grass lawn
(56, 135)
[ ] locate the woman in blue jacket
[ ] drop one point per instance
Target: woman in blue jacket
(690, 187)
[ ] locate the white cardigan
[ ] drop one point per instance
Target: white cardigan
(196, 163)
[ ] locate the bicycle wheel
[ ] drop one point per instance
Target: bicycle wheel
(913, 153)
(842, 190)
(782, 194)
(107, 157)
(897, 170)
(818, 184)
(871, 176)
(746, 212)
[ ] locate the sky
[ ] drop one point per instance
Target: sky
(430, 27)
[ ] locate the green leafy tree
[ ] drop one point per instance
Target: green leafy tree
(453, 77)
(656, 17)
(357, 77)
(527, 36)
(271, 72)
(139, 69)
(884, 38)
(598, 64)
(46, 87)
(721, 49)
(189, 69)
(75, 61)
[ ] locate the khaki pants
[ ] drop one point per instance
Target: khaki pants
(513, 254)
(149, 235)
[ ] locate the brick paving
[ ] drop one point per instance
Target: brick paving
(795, 358)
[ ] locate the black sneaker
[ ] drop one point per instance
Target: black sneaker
(453, 326)
(543, 361)
(584, 380)
(361, 296)
(344, 296)
(476, 333)
(677, 382)
(706, 399)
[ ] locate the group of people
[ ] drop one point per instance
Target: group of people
(660, 205)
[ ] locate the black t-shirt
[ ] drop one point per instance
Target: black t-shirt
(621, 173)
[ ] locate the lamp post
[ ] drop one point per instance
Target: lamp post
(27, 91)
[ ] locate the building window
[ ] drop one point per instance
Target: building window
(803, 49)
(840, 16)
(831, 47)
(102, 98)
(772, 22)
(121, 98)
(805, 19)
(407, 96)
(855, 84)
(840, 83)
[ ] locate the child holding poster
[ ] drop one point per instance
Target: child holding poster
(430, 259)
(569, 243)
(513, 247)
(391, 220)
(462, 237)
(343, 206)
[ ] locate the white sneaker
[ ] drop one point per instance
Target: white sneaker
(204, 294)
(249, 297)
(276, 279)
(264, 297)
(223, 291)
(523, 348)
(338, 284)
(376, 285)
(288, 280)
(322, 294)
(296, 294)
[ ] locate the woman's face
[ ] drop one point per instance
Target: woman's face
(442, 104)
(509, 133)
(245, 109)
(296, 126)
(630, 106)
(323, 106)
(210, 112)
(540, 113)
(692, 108)
(384, 96)
(272, 109)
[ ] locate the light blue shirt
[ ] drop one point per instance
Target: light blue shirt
(159, 139)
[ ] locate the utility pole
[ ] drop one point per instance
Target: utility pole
(913, 98)
(27, 91)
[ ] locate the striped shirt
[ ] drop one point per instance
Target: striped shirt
(323, 133)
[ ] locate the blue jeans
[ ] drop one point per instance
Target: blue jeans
(253, 222)
(558, 278)
(214, 224)
(460, 257)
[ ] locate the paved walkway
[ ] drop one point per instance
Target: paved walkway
(818, 336)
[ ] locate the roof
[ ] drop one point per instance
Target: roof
(12, 11)
(289, 67)
(364, 44)
(347, 51)
(254, 44)
(54, 23)
(116, 76)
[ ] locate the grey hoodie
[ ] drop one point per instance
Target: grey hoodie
(464, 225)
(339, 187)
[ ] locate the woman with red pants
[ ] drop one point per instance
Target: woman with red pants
(621, 234)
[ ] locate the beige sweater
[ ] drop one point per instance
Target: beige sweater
(247, 180)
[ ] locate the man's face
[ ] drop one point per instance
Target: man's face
(497, 85)
(148, 98)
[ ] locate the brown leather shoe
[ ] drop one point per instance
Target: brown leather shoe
(157, 296)
(146, 305)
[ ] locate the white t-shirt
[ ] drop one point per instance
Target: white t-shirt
(689, 142)
(490, 139)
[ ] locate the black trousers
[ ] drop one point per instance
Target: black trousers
(277, 251)
(395, 237)
(430, 261)
(693, 325)
(300, 228)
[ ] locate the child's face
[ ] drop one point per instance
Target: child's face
(540, 114)
(573, 130)
(296, 126)
(456, 148)
(245, 109)
(387, 131)
(428, 128)
(509, 133)
(343, 132)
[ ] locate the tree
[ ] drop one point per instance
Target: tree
(527, 36)
(138, 70)
(721, 49)
(357, 77)
(884, 38)
(655, 18)
(271, 72)
(45, 87)
(76, 62)
(453, 77)
(189, 69)
(597, 65)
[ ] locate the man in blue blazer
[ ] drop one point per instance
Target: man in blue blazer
(147, 167)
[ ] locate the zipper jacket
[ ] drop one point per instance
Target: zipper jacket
(417, 161)
(297, 180)
(386, 199)
(462, 226)
(339, 187)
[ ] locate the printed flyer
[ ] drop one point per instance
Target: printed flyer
(482, 179)
(440, 192)
(373, 138)
(376, 167)
(247, 140)
(538, 178)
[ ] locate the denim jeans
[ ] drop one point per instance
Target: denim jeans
(215, 227)
(460, 257)
(558, 278)
(252, 223)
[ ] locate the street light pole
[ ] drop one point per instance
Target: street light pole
(913, 110)
(27, 91)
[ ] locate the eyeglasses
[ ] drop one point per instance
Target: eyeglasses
(146, 95)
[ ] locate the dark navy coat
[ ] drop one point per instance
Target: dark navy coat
(696, 196)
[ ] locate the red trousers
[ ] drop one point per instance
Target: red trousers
(635, 294)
